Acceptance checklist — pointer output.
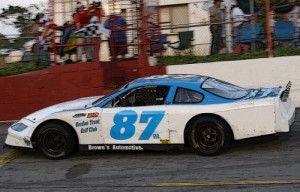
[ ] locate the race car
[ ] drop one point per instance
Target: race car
(160, 112)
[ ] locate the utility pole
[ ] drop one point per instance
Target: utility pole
(269, 37)
(252, 21)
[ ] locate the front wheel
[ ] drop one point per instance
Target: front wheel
(209, 136)
(55, 141)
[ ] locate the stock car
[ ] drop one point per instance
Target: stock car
(161, 112)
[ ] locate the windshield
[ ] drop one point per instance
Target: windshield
(104, 98)
(101, 99)
(224, 89)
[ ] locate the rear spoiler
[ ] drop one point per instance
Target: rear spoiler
(285, 94)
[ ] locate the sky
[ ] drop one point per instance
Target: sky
(8, 30)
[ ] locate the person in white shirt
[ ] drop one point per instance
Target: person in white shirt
(294, 16)
(238, 19)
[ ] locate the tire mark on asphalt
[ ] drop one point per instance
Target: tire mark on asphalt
(78, 170)
(8, 157)
(223, 183)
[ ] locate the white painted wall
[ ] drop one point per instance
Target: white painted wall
(202, 35)
(266, 72)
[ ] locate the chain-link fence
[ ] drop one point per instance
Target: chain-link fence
(188, 27)
(231, 27)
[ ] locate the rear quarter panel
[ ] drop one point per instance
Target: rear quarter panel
(246, 119)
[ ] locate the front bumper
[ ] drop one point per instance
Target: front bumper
(20, 139)
(18, 148)
(17, 140)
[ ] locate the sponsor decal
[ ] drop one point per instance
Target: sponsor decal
(165, 141)
(124, 127)
(79, 115)
(81, 124)
(87, 123)
(93, 115)
(88, 130)
(94, 122)
(115, 147)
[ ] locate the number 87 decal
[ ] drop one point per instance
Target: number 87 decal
(124, 124)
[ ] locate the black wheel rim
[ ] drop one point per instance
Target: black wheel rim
(54, 142)
(209, 137)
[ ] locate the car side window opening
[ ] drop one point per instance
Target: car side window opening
(187, 96)
(141, 96)
(224, 89)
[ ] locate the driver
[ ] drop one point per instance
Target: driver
(131, 100)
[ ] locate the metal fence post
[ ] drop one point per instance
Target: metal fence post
(269, 36)
(252, 22)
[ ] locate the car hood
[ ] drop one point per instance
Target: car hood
(77, 104)
(263, 93)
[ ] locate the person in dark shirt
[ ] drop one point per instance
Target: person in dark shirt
(216, 19)
(118, 38)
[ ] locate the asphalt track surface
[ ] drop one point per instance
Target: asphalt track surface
(270, 163)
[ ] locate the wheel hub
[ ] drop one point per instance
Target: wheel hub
(54, 141)
(210, 135)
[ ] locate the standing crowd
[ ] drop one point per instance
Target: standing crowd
(291, 12)
(43, 30)
(83, 17)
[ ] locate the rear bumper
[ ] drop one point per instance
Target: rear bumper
(285, 115)
(292, 119)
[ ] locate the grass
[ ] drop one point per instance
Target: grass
(189, 59)
(24, 67)
(19, 68)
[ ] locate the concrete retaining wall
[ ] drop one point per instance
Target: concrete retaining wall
(250, 73)
(23, 94)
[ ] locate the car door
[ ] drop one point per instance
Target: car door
(185, 105)
(138, 116)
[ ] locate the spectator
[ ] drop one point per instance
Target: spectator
(238, 19)
(118, 40)
(91, 49)
(216, 19)
(80, 19)
(45, 43)
(96, 10)
(293, 16)
(272, 21)
(36, 29)
(67, 38)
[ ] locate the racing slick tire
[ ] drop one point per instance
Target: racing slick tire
(209, 136)
(56, 140)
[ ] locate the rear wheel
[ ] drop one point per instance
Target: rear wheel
(56, 140)
(209, 136)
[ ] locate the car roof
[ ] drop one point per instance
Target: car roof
(169, 79)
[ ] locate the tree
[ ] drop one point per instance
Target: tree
(19, 17)
(4, 42)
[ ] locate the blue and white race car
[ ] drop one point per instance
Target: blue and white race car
(162, 112)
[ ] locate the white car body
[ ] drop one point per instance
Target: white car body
(93, 124)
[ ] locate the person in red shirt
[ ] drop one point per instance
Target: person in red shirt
(80, 19)
(96, 10)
